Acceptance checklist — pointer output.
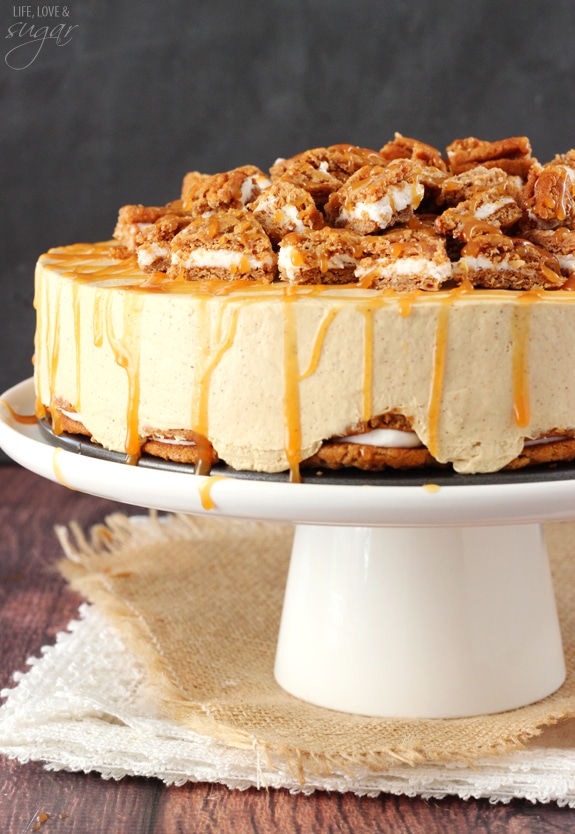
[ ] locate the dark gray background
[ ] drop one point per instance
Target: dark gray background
(144, 92)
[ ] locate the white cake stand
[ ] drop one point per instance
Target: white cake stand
(418, 601)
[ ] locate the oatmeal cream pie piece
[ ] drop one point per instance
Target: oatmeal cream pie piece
(181, 446)
(369, 458)
(225, 245)
(341, 454)
(344, 160)
(486, 210)
(322, 256)
(233, 189)
(67, 418)
(340, 161)
(561, 242)
(133, 219)
(495, 261)
(154, 243)
(567, 158)
(545, 450)
(402, 147)
(404, 260)
(318, 182)
(459, 187)
(549, 195)
(193, 181)
(321, 171)
(377, 197)
(512, 155)
(283, 208)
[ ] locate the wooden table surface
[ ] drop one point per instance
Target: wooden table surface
(35, 604)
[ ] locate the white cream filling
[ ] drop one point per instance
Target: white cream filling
(406, 267)
(219, 259)
(285, 263)
(289, 218)
(386, 438)
(266, 203)
(251, 187)
(487, 209)
(543, 440)
(341, 261)
(150, 253)
(394, 439)
(382, 211)
(483, 262)
(566, 262)
(72, 415)
(172, 441)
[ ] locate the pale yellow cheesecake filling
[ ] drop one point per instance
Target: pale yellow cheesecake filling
(267, 373)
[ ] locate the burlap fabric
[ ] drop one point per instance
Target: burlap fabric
(200, 600)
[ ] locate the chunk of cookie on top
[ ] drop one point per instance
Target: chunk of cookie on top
(402, 147)
(225, 245)
(549, 195)
(489, 209)
(134, 219)
(339, 161)
(233, 189)
(512, 155)
(154, 243)
(404, 260)
(456, 188)
(560, 242)
(321, 171)
(322, 256)
(376, 197)
(404, 217)
(496, 261)
(283, 208)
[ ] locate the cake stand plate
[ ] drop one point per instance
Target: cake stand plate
(425, 600)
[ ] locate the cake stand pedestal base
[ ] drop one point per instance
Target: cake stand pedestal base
(423, 622)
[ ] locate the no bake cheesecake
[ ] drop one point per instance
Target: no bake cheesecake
(395, 308)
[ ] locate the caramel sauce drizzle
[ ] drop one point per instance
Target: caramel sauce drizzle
(416, 194)
(292, 418)
(520, 332)
(39, 408)
(126, 349)
(439, 356)
(564, 192)
(76, 310)
(27, 419)
(209, 359)
(98, 318)
(318, 342)
(471, 227)
(58, 474)
(405, 302)
(366, 280)
(205, 491)
(53, 357)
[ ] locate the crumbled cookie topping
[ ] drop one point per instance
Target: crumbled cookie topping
(404, 217)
